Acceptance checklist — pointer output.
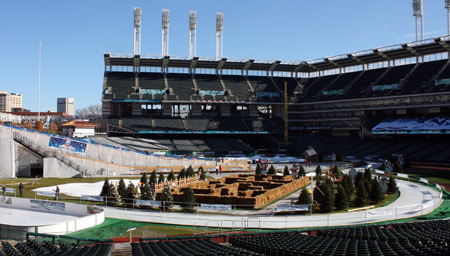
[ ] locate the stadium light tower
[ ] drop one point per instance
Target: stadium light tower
(192, 33)
(447, 6)
(165, 32)
(219, 34)
(137, 31)
(418, 13)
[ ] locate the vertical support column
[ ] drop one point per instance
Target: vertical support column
(219, 35)
(137, 31)
(418, 14)
(447, 6)
(165, 32)
(192, 33)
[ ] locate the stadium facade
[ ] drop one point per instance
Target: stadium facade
(404, 89)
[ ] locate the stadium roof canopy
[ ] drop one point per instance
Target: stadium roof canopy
(381, 54)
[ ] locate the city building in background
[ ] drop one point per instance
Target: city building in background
(66, 105)
(10, 102)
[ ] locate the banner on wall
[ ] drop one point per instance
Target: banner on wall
(288, 208)
(48, 205)
(423, 180)
(221, 207)
(67, 145)
(46, 193)
(152, 203)
(92, 198)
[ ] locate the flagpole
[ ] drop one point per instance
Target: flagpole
(39, 84)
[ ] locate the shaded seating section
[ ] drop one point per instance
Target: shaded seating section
(181, 85)
(47, 249)
(431, 150)
(313, 89)
(238, 144)
(360, 86)
(151, 81)
(218, 144)
(200, 124)
(238, 86)
(186, 247)
(291, 85)
(231, 124)
(418, 80)
(135, 123)
(121, 83)
(265, 90)
(260, 125)
(169, 124)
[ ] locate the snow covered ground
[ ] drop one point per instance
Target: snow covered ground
(79, 189)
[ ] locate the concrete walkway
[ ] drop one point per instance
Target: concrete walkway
(415, 200)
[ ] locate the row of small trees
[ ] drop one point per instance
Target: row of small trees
(330, 197)
(127, 193)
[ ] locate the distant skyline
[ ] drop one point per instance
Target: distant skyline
(76, 34)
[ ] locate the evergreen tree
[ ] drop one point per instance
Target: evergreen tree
(286, 171)
(368, 175)
(152, 179)
(130, 194)
(301, 172)
(188, 200)
(359, 178)
(161, 178)
(348, 186)
(392, 186)
(318, 171)
(190, 171)
(304, 197)
(327, 202)
(121, 188)
(202, 174)
(200, 170)
(271, 170)
(147, 192)
(182, 174)
(167, 198)
(106, 189)
(341, 200)
(361, 195)
(397, 167)
(330, 185)
(258, 169)
(376, 195)
(368, 186)
(144, 178)
(171, 176)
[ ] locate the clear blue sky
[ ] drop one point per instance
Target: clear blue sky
(75, 34)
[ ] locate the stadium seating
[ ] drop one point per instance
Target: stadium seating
(182, 86)
(46, 249)
(186, 247)
(424, 73)
(121, 83)
(208, 82)
(151, 81)
(423, 238)
(238, 86)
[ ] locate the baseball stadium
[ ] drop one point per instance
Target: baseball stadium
(342, 155)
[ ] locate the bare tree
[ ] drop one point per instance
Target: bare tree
(91, 112)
